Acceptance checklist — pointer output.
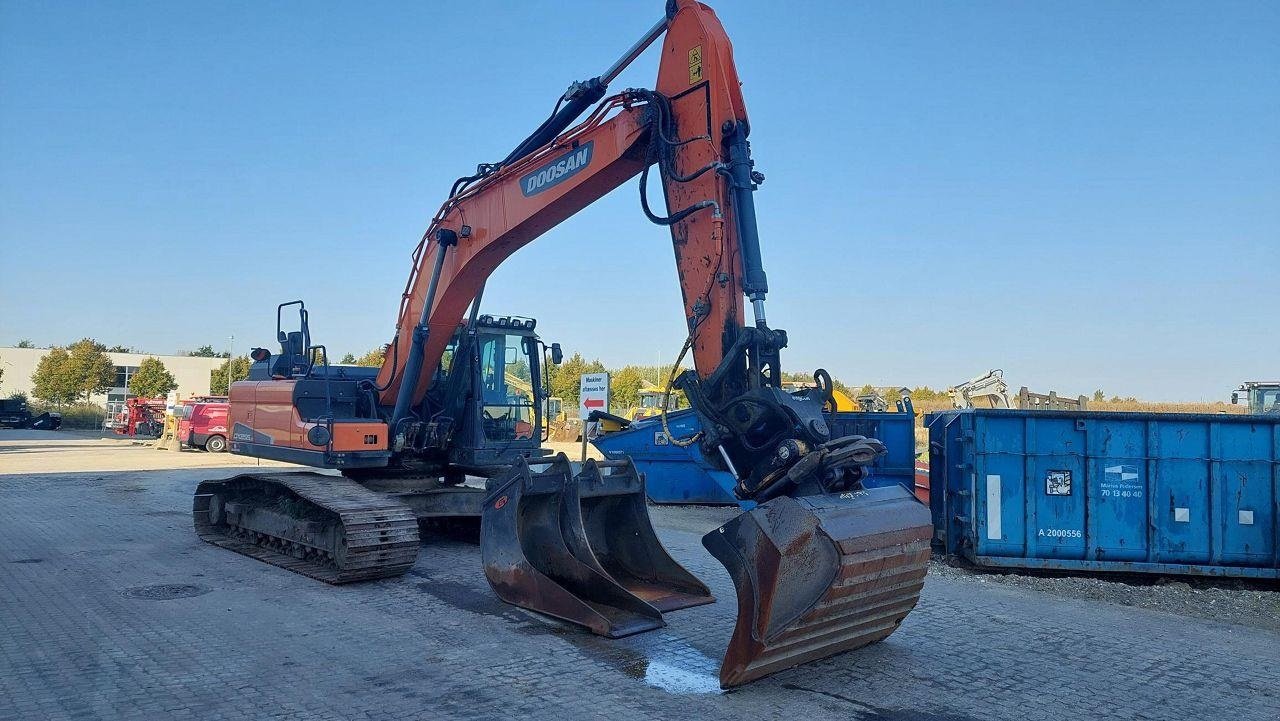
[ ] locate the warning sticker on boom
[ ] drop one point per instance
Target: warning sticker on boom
(695, 65)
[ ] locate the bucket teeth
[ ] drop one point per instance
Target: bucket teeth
(819, 575)
(552, 543)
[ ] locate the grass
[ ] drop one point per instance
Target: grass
(87, 416)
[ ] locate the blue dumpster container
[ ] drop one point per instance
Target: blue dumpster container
(682, 475)
(1096, 491)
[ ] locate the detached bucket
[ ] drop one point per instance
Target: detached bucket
(606, 525)
(819, 575)
(529, 564)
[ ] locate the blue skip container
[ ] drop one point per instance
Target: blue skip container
(1167, 493)
(681, 475)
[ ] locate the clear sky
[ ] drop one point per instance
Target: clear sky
(1085, 194)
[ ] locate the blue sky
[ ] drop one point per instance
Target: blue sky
(1086, 195)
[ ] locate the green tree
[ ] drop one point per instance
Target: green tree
(54, 380)
(152, 379)
(26, 343)
(1099, 396)
(121, 349)
(239, 367)
(624, 387)
(91, 370)
(348, 359)
(520, 369)
(207, 351)
(925, 393)
(372, 359)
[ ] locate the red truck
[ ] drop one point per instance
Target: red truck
(202, 423)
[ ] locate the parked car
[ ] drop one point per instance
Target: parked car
(203, 424)
(14, 414)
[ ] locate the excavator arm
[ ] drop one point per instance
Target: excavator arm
(820, 564)
(683, 126)
(693, 127)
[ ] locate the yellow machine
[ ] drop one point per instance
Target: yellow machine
(558, 426)
(650, 403)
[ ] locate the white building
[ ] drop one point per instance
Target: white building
(192, 374)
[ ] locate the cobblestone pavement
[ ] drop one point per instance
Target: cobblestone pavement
(83, 635)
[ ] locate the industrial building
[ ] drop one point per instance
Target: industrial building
(191, 373)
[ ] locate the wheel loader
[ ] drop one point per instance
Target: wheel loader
(820, 565)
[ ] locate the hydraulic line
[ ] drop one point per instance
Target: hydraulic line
(413, 365)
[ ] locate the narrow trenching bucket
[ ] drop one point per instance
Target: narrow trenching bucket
(606, 525)
(819, 575)
(529, 564)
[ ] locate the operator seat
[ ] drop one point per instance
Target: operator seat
(292, 361)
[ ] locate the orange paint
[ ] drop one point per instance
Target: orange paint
(503, 215)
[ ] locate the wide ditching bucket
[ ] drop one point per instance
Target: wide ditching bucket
(581, 548)
(819, 575)
(606, 525)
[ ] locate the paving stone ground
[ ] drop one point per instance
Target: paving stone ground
(79, 637)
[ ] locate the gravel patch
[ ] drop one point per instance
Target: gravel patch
(1236, 601)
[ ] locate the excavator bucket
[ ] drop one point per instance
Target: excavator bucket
(529, 563)
(606, 525)
(819, 575)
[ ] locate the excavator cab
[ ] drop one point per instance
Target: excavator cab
(502, 413)
(1262, 397)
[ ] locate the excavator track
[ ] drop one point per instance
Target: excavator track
(327, 527)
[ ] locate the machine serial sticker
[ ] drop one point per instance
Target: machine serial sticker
(241, 432)
(1057, 483)
(695, 65)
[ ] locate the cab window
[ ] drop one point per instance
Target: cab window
(506, 388)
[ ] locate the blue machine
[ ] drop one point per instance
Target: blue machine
(1096, 491)
(681, 475)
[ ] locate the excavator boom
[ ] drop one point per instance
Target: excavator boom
(820, 566)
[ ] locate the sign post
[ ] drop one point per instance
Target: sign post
(593, 395)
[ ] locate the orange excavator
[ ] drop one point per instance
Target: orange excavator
(820, 564)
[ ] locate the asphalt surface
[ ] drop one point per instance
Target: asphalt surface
(110, 607)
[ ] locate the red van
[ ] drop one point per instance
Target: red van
(203, 424)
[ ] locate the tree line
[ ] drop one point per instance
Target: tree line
(75, 372)
(625, 382)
